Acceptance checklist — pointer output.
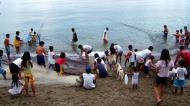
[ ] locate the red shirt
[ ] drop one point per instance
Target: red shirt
(184, 54)
(60, 60)
(6, 42)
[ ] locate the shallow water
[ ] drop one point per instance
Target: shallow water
(137, 22)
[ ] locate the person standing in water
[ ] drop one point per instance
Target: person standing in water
(75, 38)
(165, 31)
(105, 35)
(17, 42)
(31, 33)
(40, 51)
(7, 46)
(177, 35)
(187, 37)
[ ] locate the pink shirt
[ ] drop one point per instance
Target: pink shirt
(163, 69)
(60, 60)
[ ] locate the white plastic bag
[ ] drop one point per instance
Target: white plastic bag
(126, 79)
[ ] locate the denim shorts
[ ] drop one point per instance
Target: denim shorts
(7, 48)
(179, 83)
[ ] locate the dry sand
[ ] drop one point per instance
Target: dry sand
(109, 92)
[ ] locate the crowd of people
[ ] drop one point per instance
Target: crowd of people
(136, 61)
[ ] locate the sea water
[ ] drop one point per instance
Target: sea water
(136, 22)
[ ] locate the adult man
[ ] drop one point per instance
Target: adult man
(185, 55)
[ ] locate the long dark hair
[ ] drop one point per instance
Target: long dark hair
(26, 58)
(112, 49)
(165, 55)
(14, 80)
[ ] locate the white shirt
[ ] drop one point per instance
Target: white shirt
(181, 72)
(135, 78)
(163, 69)
(132, 57)
(18, 62)
(87, 47)
(148, 63)
(51, 60)
(118, 48)
(143, 54)
(88, 81)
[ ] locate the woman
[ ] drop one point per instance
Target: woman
(164, 65)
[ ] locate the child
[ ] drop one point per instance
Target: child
(16, 86)
(7, 46)
(26, 66)
(181, 38)
(149, 64)
(89, 80)
(179, 82)
(17, 42)
(105, 35)
(34, 37)
(59, 64)
(130, 56)
(75, 38)
(135, 78)
(51, 57)
(102, 71)
(165, 31)
(40, 51)
(30, 36)
(2, 71)
(177, 35)
(96, 56)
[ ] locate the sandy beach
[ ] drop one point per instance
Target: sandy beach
(109, 92)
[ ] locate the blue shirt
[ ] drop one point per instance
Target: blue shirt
(102, 71)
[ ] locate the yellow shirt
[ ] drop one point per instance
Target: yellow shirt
(16, 42)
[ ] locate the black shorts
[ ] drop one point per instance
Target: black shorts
(146, 69)
(132, 64)
(165, 34)
(41, 60)
(57, 67)
(14, 69)
(160, 80)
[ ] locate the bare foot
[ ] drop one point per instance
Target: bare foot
(158, 102)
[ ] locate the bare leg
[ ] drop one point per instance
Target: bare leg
(26, 87)
(33, 89)
(87, 57)
(175, 90)
(125, 62)
(181, 92)
(161, 90)
(156, 92)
